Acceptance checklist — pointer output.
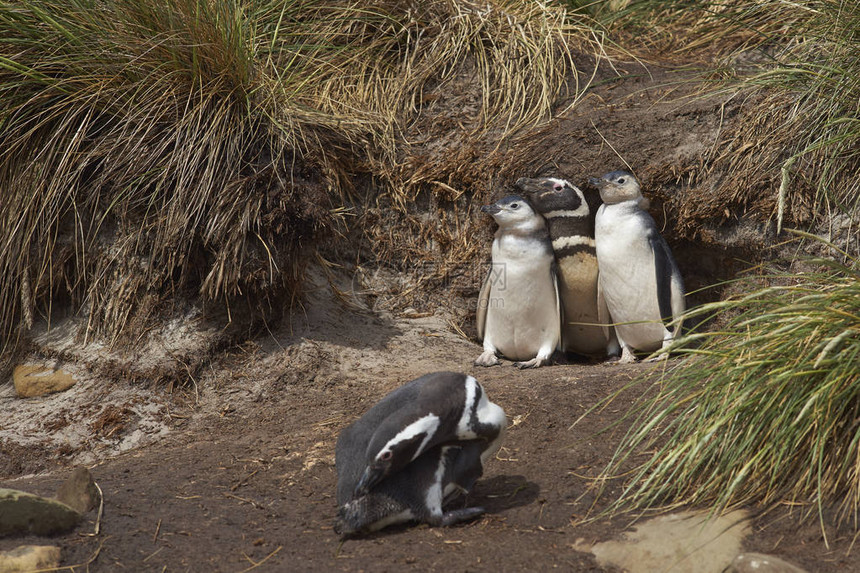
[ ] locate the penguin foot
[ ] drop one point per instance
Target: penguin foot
(458, 515)
(627, 356)
(660, 357)
(533, 363)
(488, 358)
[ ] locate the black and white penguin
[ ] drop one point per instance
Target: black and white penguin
(570, 221)
(519, 313)
(418, 446)
(639, 281)
(418, 492)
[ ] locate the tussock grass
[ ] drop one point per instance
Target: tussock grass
(151, 151)
(133, 155)
(765, 409)
(707, 29)
(792, 155)
(800, 145)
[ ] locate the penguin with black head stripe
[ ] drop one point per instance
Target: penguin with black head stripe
(411, 452)
(418, 492)
(570, 221)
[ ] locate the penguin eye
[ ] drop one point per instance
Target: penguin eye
(621, 181)
(558, 187)
(515, 205)
(386, 455)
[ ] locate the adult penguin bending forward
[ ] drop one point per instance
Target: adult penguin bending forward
(415, 450)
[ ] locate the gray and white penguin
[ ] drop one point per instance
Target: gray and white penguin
(518, 307)
(639, 281)
(414, 451)
(570, 221)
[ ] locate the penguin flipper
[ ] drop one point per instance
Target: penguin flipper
(670, 289)
(679, 304)
(559, 308)
(663, 275)
(484, 304)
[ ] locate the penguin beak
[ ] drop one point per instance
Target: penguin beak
(490, 209)
(599, 183)
(370, 477)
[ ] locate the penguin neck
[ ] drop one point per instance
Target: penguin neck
(637, 200)
(532, 227)
(560, 227)
(632, 204)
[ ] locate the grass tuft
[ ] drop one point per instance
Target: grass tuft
(764, 409)
(792, 153)
(161, 151)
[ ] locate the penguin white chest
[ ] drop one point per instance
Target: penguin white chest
(523, 314)
(627, 274)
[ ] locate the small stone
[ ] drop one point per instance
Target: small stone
(79, 491)
(29, 558)
(22, 513)
(33, 380)
(761, 563)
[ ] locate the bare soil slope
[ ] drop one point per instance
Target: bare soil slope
(248, 472)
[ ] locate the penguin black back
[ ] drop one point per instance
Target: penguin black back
(436, 408)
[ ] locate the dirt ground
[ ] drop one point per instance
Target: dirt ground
(246, 472)
(235, 470)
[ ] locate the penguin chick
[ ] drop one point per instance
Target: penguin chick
(638, 279)
(418, 492)
(435, 409)
(571, 227)
(518, 307)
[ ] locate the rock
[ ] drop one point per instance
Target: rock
(79, 491)
(22, 512)
(29, 558)
(761, 563)
(686, 542)
(37, 380)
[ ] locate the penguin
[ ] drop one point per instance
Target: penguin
(639, 281)
(418, 446)
(570, 220)
(418, 492)
(518, 306)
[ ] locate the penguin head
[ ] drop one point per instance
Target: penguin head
(514, 213)
(617, 186)
(351, 517)
(549, 194)
(364, 514)
(394, 445)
